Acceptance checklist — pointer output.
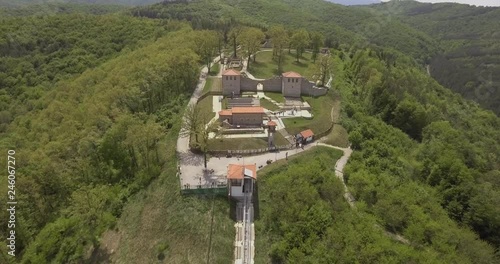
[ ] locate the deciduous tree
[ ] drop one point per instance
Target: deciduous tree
(279, 38)
(300, 40)
(206, 45)
(250, 39)
(317, 41)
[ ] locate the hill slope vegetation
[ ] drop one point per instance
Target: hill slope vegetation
(469, 37)
(91, 104)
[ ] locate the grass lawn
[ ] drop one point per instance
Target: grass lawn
(205, 107)
(212, 84)
(208, 85)
(268, 105)
(279, 140)
(338, 137)
(245, 143)
(224, 103)
(214, 70)
(321, 121)
(278, 97)
(160, 217)
(206, 111)
(264, 67)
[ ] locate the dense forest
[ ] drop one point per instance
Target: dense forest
(469, 37)
(340, 25)
(86, 108)
(425, 166)
(90, 99)
(53, 9)
(10, 3)
(425, 157)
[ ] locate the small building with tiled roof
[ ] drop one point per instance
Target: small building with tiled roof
(271, 123)
(291, 84)
(271, 126)
(241, 179)
(231, 82)
(305, 136)
(251, 116)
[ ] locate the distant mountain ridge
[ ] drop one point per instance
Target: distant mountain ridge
(10, 3)
(468, 36)
(355, 2)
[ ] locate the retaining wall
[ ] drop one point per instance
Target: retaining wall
(249, 152)
(308, 88)
(209, 93)
(204, 190)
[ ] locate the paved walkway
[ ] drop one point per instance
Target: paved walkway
(339, 170)
(216, 107)
(219, 165)
(190, 165)
(217, 100)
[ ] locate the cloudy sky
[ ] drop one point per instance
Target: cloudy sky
(470, 2)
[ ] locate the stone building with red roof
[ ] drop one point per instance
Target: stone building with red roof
(291, 84)
(231, 82)
(251, 116)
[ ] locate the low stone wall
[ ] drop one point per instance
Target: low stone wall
(204, 190)
(290, 107)
(272, 85)
(240, 100)
(209, 93)
(249, 152)
(235, 131)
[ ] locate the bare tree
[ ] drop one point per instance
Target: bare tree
(191, 121)
(204, 129)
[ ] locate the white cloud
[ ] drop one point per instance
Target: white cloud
(470, 2)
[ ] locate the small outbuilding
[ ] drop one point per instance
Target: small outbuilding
(271, 125)
(241, 179)
(304, 137)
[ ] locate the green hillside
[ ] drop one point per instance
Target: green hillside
(341, 25)
(100, 2)
(91, 101)
(57, 8)
(85, 106)
(470, 39)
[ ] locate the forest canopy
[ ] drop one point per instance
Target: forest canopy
(91, 100)
(92, 130)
